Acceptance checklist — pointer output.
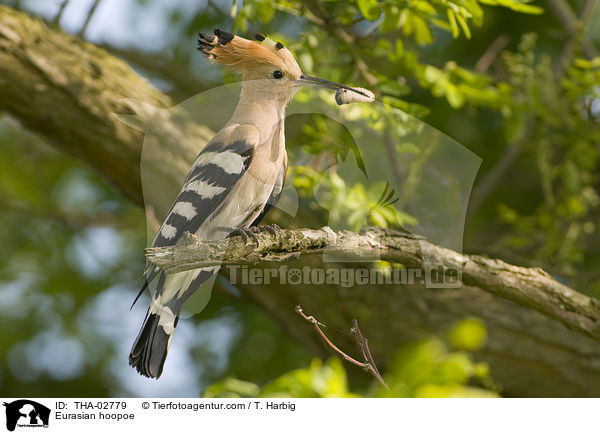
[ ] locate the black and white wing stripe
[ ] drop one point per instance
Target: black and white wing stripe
(217, 169)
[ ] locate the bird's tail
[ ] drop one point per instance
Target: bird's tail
(150, 348)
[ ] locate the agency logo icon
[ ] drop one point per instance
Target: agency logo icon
(25, 413)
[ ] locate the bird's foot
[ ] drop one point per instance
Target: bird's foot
(245, 233)
(249, 233)
(272, 229)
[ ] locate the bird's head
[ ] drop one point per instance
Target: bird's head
(266, 66)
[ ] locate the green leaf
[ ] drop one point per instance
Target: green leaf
(423, 6)
(265, 11)
(417, 110)
(389, 214)
(455, 98)
(469, 335)
(391, 19)
(232, 388)
(378, 218)
(400, 48)
(515, 6)
(422, 32)
(464, 26)
(394, 88)
(588, 64)
(452, 21)
(369, 9)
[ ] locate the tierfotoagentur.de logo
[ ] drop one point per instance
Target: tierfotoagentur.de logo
(345, 277)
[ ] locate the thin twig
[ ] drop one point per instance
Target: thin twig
(363, 344)
(491, 53)
(368, 365)
(61, 10)
(587, 11)
(583, 17)
(393, 156)
(569, 21)
(88, 18)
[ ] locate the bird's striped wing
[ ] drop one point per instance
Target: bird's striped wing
(217, 169)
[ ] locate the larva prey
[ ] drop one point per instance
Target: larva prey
(355, 94)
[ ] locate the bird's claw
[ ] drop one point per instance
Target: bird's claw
(272, 229)
(250, 233)
(244, 233)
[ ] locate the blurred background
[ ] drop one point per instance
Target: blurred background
(510, 80)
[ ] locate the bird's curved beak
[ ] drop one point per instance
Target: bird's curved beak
(309, 80)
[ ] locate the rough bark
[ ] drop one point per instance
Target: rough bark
(70, 91)
(543, 337)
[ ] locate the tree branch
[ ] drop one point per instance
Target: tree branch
(157, 65)
(530, 287)
(42, 69)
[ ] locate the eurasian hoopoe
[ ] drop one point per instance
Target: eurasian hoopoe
(236, 178)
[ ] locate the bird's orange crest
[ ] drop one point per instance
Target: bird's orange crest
(244, 55)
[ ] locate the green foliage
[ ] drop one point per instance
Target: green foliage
(426, 369)
(429, 370)
(318, 380)
(417, 17)
(417, 21)
(351, 206)
(469, 335)
(563, 139)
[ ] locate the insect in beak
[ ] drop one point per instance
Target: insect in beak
(344, 94)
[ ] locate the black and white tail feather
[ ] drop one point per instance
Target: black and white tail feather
(149, 350)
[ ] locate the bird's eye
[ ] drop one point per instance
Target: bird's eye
(277, 74)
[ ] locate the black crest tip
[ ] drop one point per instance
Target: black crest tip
(206, 37)
(224, 37)
(279, 45)
(259, 37)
